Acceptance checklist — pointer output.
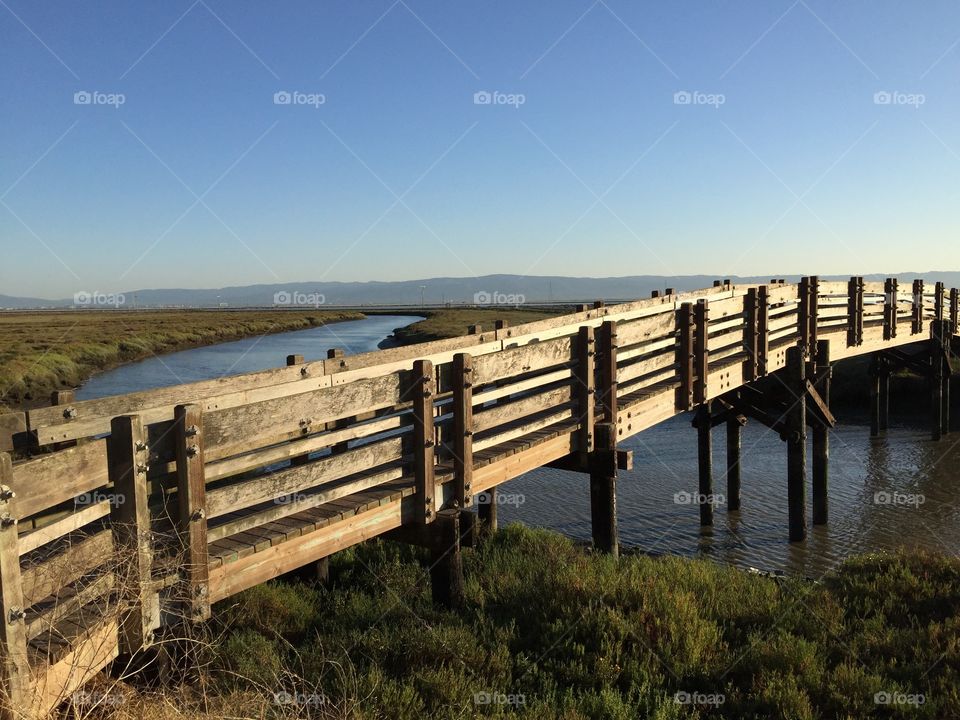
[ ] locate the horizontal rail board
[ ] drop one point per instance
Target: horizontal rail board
(49, 480)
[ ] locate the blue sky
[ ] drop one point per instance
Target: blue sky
(785, 160)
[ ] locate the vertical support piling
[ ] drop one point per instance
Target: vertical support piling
(916, 310)
(939, 378)
(733, 464)
(705, 464)
(855, 311)
(487, 510)
(446, 560)
(873, 374)
(603, 490)
(685, 331)
(796, 421)
(821, 437)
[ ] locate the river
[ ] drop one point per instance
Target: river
(865, 474)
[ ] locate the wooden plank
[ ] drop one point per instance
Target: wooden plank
(44, 578)
(424, 451)
(247, 427)
(68, 602)
(130, 521)
(74, 521)
(305, 501)
(191, 439)
(525, 428)
(506, 412)
(49, 480)
(645, 329)
(92, 417)
(463, 429)
(290, 481)
(521, 360)
(89, 653)
(254, 569)
(276, 454)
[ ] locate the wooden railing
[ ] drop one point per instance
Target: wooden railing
(133, 512)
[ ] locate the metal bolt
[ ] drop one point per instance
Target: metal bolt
(192, 451)
(428, 443)
(70, 413)
(17, 613)
(304, 371)
(306, 422)
(6, 520)
(198, 514)
(142, 468)
(468, 433)
(6, 493)
(192, 430)
(141, 446)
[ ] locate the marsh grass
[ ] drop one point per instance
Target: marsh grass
(576, 635)
(45, 351)
(453, 322)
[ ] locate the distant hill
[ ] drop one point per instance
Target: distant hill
(488, 289)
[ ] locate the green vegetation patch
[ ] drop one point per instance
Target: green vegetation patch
(549, 631)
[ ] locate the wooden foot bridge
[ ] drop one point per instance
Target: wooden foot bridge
(124, 517)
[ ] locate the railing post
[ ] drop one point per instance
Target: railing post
(855, 312)
(890, 309)
(586, 388)
(763, 328)
(809, 291)
(701, 318)
(192, 502)
(821, 437)
(463, 429)
(608, 371)
(938, 301)
(128, 462)
(13, 638)
(751, 335)
(917, 309)
(954, 311)
(796, 420)
(685, 331)
(423, 440)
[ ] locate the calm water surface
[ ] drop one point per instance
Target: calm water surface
(923, 473)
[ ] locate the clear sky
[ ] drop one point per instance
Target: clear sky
(182, 167)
